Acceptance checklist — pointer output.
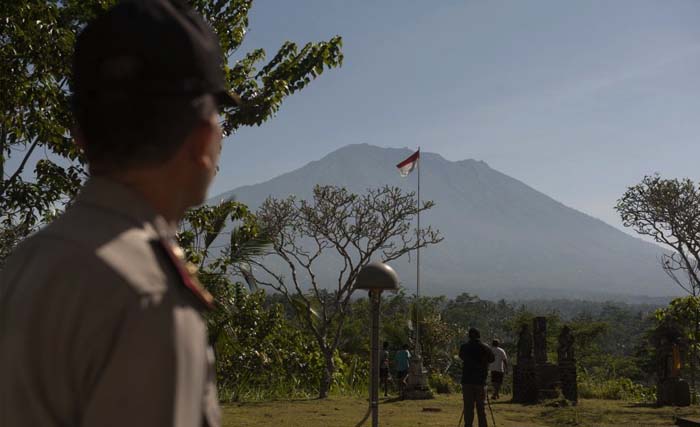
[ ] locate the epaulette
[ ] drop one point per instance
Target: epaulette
(187, 272)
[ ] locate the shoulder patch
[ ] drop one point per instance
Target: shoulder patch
(188, 273)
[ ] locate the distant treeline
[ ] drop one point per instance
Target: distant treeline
(571, 308)
(275, 356)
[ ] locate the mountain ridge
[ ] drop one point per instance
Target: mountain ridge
(501, 235)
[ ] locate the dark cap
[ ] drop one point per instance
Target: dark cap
(149, 49)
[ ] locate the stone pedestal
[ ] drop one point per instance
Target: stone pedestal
(567, 377)
(547, 380)
(673, 391)
(525, 388)
(417, 387)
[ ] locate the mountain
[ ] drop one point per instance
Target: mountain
(502, 237)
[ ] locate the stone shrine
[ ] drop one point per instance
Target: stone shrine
(534, 377)
(567, 365)
(417, 383)
(671, 389)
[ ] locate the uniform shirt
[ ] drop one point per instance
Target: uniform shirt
(401, 359)
(498, 365)
(476, 357)
(96, 325)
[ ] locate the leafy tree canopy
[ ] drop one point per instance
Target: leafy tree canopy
(36, 45)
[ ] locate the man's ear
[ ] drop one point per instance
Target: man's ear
(200, 144)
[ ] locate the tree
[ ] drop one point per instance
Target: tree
(490, 318)
(36, 46)
(355, 229)
(439, 340)
(668, 210)
(588, 334)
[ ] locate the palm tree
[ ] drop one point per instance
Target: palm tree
(221, 257)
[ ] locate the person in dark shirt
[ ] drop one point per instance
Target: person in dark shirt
(476, 357)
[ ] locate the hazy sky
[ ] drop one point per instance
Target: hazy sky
(578, 99)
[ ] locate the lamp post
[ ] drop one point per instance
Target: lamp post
(375, 278)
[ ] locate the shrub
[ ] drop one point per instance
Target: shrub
(259, 354)
(442, 383)
(614, 389)
(351, 376)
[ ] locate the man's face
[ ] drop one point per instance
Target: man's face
(214, 148)
(206, 142)
(216, 143)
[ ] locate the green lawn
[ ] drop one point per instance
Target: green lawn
(347, 411)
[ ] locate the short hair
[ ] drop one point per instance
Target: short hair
(474, 333)
(495, 342)
(148, 131)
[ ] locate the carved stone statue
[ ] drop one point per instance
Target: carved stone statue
(565, 351)
(539, 338)
(524, 343)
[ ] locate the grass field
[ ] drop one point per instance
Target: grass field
(446, 410)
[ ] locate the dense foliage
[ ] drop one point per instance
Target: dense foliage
(613, 352)
(261, 355)
(40, 168)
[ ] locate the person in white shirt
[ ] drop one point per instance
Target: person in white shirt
(498, 367)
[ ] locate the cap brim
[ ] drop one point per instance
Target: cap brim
(228, 99)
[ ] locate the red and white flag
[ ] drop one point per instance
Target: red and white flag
(409, 164)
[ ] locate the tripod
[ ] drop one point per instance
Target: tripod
(488, 402)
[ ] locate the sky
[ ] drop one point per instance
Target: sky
(578, 99)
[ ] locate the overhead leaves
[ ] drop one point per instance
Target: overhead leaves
(41, 169)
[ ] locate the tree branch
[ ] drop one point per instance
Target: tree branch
(7, 183)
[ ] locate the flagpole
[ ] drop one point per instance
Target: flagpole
(418, 264)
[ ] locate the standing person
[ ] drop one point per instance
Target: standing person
(100, 318)
(476, 357)
(498, 368)
(402, 361)
(384, 368)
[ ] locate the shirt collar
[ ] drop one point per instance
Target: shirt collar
(113, 196)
